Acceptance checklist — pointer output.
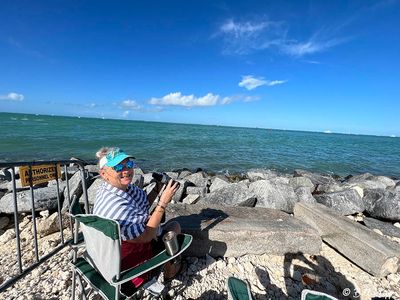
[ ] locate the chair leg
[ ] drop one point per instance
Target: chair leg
(83, 293)
(117, 293)
(73, 285)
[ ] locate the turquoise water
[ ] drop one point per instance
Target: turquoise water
(166, 146)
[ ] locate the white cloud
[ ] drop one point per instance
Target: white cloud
(12, 97)
(130, 105)
(245, 37)
(250, 82)
(125, 114)
(177, 99)
(310, 47)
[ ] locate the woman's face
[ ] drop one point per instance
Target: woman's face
(119, 179)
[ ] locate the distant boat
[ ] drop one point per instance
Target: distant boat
(327, 131)
(392, 135)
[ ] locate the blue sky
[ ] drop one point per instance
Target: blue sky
(300, 65)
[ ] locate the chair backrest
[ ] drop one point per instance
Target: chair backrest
(103, 244)
(238, 289)
(314, 295)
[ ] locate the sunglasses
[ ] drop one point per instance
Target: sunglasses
(129, 165)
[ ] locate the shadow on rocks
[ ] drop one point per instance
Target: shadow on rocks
(199, 225)
(271, 289)
(315, 273)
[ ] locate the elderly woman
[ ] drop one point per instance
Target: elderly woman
(119, 200)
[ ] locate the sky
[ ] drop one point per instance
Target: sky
(329, 66)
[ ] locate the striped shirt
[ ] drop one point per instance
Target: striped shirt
(129, 208)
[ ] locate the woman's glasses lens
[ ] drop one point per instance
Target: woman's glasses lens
(129, 165)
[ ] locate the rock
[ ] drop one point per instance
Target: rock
(181, 190)
(360, 177)
(75, 190)
(138, 171)
(385, 204)
(235, 194)
(218, 182)
(235, 231)
(316, 179)
(45, 198)
(297, 182)
(191, 199)
(198, 179)
(389, 183)
(184, 174)
(173, 175)
(345, 202)
(51, 224)
(375, 254)
(197, 190)
(94, 169)
(255, 175)
(277, 196)
(366, 184)
(386, 228)
(147, 179)
(91, 191)
(138, 180)
(304, 195)
(4, 222)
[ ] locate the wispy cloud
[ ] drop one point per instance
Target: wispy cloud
(178, 99)
(12, 97)
(245, 37)
(189, 101)
(250, 82)
(130, 105)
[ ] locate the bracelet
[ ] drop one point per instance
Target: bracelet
(163, 206)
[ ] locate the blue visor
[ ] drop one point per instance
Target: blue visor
(115, 156)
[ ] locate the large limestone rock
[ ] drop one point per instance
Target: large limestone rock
(274, 195)
(236, 231)
(300, 181)
(304, 195)
(345, 202)
(235, 194)
(91, 191)
(255, 175)
(218, 182)
(316, 179)
(198, 179)
(382, 203)
(75, 190)
(387, 228)
(44, 198)
(372, 252)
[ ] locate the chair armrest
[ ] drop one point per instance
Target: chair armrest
(184, 241)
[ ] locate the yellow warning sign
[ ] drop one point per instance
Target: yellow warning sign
(40, 174)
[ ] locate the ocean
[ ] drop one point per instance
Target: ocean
(220, 149)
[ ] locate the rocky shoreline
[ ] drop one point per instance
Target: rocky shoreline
(372, 201)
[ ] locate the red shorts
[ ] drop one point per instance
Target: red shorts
(133, 254)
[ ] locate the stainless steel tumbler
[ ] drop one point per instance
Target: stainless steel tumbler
(171, 243)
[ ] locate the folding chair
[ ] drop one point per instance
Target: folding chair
(314, 295)
(99, 266)
(238, 289)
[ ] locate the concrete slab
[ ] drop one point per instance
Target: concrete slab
(235, 231)
(370, 251)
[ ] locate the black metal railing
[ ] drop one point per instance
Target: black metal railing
(10, 175)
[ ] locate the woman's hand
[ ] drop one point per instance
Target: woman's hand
(169, 192)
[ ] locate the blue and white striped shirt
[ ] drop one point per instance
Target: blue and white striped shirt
(130, 209)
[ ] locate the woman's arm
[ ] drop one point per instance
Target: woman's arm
(155, 219)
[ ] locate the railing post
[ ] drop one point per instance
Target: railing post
(33, 215)
(16, 222)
